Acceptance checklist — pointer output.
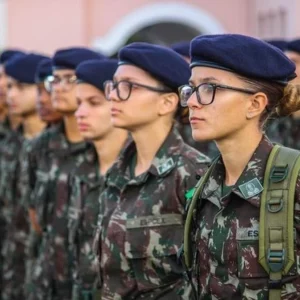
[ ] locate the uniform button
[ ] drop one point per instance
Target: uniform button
(198, 177)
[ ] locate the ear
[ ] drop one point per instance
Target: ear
(256, 105)
(168, 104)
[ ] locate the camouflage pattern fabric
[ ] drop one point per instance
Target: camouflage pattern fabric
(4, 130)
(86, 186)
(285, 131)
(140, 225)
(52, 160)
(225, 232)
(15, 216)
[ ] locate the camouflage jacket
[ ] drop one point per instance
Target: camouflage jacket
(86, 186)
(52, 159)
(226, 264)
(4, 130)
(15, 215)
(285, 131)
(141, 222)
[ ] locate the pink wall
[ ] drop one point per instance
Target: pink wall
(46, 25)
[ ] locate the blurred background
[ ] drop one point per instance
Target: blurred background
(106, 25)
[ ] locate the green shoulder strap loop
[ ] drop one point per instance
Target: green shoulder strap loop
(276, 231)
(187, 246)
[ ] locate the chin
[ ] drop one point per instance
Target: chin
(202, 136)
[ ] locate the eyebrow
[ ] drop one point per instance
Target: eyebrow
(125, 78)
(90, 98)
(202, 80)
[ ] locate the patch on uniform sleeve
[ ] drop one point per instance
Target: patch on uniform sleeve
(251, 188)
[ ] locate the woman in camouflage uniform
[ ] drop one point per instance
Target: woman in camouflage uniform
(140, 225)
(236, 82)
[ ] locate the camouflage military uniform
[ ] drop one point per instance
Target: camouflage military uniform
(141, 223)
(226, 264)
(15, 216)
(4, 130)
(208, 148)
(86, 187)
(52, 160)
(285, 131)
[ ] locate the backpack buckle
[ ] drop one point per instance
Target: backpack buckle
(275, 205)
(279, 173)
(276, 259)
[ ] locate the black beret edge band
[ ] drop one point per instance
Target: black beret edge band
(78, 81)
(21, 80)
(293, 49)
(63, 67)
(202, 63)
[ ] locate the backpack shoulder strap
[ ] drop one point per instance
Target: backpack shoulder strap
(187, 245)
(276, 231)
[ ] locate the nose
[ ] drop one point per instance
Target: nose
(81, 111)
(193, 102)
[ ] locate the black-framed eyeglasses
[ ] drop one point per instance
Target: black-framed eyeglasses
(66, 82)
(205, 92)
(124, 88)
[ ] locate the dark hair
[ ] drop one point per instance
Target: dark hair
(283, 100)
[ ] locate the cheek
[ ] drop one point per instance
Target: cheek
(100, 119)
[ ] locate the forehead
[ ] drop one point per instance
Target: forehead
(87, 90)
(63, 72)
(130, 71)
(202, 74)
(294, 56)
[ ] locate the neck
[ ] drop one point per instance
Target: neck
(72, 133)
(148, 140)
(108, 148)
(14, 121)
(236, 152)
(32, 125)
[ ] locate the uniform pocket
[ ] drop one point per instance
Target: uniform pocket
(248, 264)
(151, 246)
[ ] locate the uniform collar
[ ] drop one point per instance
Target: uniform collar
(250, 184)
(59, 144)
(163, 163)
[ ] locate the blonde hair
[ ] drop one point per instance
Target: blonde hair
(290, 102)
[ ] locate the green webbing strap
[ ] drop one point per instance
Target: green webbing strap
(276, 231)
(187, 247)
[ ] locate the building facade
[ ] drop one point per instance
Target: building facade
(106, 25)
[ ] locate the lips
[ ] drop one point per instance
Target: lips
(115, 111)
(83, 126)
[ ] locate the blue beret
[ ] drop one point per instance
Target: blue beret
(294, 46)
(182, 48)
(43, 70)
(23, 67)
(162, 63)
(96, 72)
(280, 44)
(70, 58)
(243, 55)
(8, 54)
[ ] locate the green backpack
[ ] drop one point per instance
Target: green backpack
(276, 230)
